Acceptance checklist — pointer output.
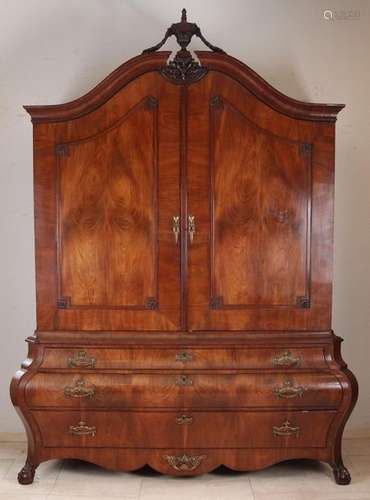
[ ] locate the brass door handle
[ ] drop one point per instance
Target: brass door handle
(176, 227)
(191, 227)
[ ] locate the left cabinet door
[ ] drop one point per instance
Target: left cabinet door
(107, 192)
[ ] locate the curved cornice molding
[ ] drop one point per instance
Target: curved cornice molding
(266, 92)
(212, 61)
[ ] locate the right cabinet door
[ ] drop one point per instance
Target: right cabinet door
(260, 190)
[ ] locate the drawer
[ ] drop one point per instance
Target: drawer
(185, 357)
(184, 390)
(175, 429)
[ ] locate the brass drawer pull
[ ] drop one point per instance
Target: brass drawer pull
(184, 463)
(184, 420)
(184, 381)
(184, 356)
(286, 429)
(176, 227)
(286, 360)
(79, 390)
(288, 390)
(81, 360)
(81, 429)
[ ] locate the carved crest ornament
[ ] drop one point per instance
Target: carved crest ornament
(183, 68)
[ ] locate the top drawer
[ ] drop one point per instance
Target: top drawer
(182, 358)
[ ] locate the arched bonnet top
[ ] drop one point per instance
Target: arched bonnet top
(183, 69)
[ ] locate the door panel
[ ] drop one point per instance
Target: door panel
(255, 191)
(108, 188)
(260, 213)
(108, 215)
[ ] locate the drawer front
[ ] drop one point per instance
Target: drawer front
(197, 429)
(186, 357)
(184, 390)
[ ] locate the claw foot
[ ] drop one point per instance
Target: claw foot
(26, 474)
(341, 474)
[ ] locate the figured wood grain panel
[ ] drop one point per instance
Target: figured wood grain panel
(260, 188)
(271, 268)
(108, 214)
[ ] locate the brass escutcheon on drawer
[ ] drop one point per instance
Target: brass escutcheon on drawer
(81, 429)
(184, 356)
(184, 419)
(286, 360)
(286, 429)
(184, 381)
(81, 360)
(80, 390)
(288, 390)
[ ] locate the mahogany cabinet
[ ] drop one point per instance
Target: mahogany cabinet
(184, 230)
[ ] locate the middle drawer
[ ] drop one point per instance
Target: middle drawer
(188, 390)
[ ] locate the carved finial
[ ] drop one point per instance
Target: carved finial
(183, 68)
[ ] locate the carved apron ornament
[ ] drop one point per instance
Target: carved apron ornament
(183, 68)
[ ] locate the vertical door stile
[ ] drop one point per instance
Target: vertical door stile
(183, 204)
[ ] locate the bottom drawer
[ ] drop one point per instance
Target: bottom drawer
(198, 429)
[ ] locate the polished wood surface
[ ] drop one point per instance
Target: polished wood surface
(259, 185)
(183, 390)
(163, 430)
(184, 357)
(116, 266)
(108, 214)
(183, 223)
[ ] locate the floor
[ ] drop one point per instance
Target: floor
(72, 480)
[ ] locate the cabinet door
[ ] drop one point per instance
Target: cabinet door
(260, 192)
(113, 189)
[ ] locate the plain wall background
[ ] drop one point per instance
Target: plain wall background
(52, 51)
